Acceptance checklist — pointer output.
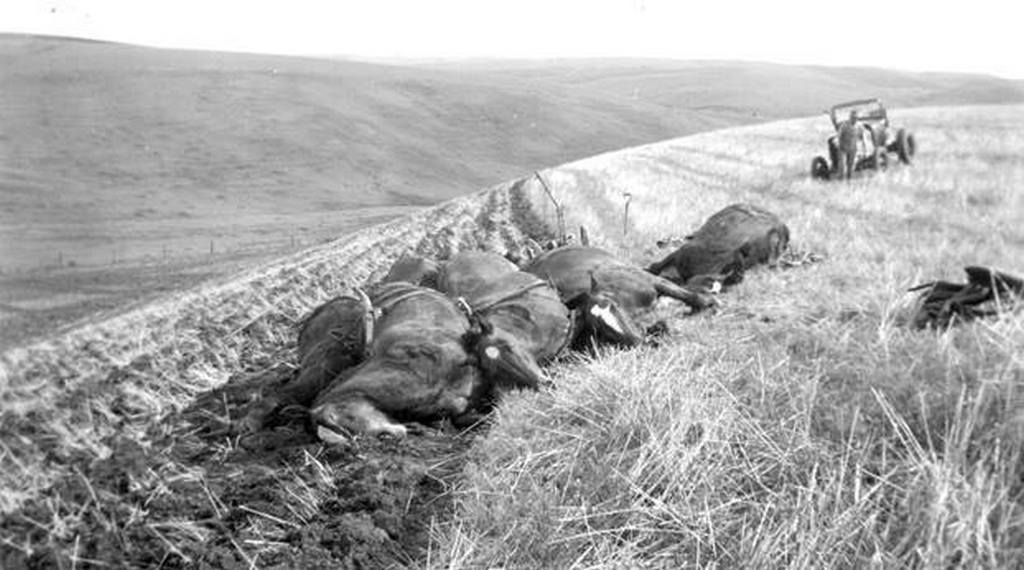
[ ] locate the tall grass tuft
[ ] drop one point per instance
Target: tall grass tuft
(686, 455)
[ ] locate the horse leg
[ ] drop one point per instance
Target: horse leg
(694, 300)
(356, 414)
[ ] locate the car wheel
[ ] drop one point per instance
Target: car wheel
(819, 168)
(833, 155)
(905, 146)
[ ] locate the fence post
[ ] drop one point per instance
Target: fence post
(625, 213)
(559, 214)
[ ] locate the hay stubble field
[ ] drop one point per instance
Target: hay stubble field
(801, 425)
(804, 425)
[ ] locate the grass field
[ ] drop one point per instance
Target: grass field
(44, 301)
(743, 90)
(802, 425)
(112, 149)
(114, 157)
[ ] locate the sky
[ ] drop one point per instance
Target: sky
(983, 36)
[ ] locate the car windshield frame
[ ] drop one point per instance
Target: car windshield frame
(868, 110)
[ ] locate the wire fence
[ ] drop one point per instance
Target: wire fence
(172, 252)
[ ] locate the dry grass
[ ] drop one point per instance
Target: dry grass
(805, 425)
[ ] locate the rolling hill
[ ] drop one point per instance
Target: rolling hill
(105, 144)
(127, 171)
(802, 425)
(737, 91)
(111, 150)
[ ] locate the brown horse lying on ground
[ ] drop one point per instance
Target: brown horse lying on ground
(609, 293)
(523, 322)
(332, 339)
(731, 241)
(418, 368)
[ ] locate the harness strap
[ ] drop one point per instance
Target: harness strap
(486, 304)
(391, 299)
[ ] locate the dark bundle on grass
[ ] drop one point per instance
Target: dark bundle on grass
(986, 293)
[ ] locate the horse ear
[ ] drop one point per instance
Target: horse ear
(584, 236)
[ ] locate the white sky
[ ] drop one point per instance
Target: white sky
(978, 36)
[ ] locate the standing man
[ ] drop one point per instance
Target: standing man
(850, 135)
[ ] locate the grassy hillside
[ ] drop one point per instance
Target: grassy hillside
(802, 425)
(118, 162)
(110, 145)
(740, 90)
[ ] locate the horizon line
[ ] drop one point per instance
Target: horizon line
(447, 59)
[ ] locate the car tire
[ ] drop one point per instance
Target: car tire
(905, 146)
(820, 169)
(833, 156)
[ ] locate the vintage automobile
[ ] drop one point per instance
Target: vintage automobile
(879, 139)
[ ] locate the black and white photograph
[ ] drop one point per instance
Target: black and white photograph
(494, 284)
